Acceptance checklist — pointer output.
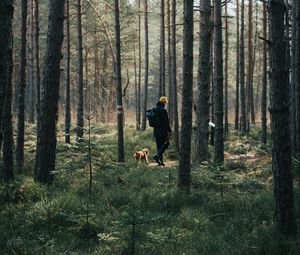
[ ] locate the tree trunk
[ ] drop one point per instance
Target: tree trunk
(144, 123)
(184, 179)
(264, 81)
(279, 111)
(104, 96)
(174, 77)
(21, 91)
(162, 59)
(31, 110)
(204, 71)
(250, 102)
(137, 126)
(170, 89)
(6, 17)
(138, 110)
(226, 131)
(293, 78)
(37, 56)
(237, 86)
(7, 128)
(297, 88)
(80, 117)
(96, 92)
(212, 81)
(256, 59)
(219, 138)
(6, 67)
(118, 77)
(67, 73)
(242, 70)
(46, 136)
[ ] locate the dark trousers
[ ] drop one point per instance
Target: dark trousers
(162, 143)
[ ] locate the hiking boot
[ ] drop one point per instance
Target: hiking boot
(156, 158)
(162, 164)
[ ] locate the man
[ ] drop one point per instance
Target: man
(162, 132)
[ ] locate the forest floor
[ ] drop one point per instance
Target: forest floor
(136, 208)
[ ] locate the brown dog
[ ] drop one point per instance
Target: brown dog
(142, 155)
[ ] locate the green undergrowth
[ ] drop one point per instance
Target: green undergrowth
(137, 209)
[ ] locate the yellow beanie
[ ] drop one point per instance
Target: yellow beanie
(163, 100)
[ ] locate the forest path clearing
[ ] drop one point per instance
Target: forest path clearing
(169, 164)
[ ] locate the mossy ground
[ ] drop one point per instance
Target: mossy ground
(137, 209)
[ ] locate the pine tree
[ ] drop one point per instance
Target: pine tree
(237, 86)
(6, 65)
(37, 55)
(204, 71)
(138, 106)
(174, 77)
(67, 75)
(184, 179)
(242, 70)
(118, 77)
(226, 127)
(80, 117)
(21, 90)
(32, 89)
(218, 49)
(249, 88)
(6, 16)
(264, 82)
(46, 134)
(279, 112)
(297, 85)
(146, 66)
(162, 58)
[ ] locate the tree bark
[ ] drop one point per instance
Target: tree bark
(264, 81)
(21, 91)
(138, 110)
(226, 128)
(242, 70)
(80, 117)
(297, 85)
(144, 120)
(162, 59)
(219, 138)
(184, 179)
(204, 71)
(293, 78)
(37, 56)
(31, 110)
(6, 17)
(118, 77)
(237, 86)
(170, 89)
(7, 128)
(46, 136)
(174, 77)
(104, 96)
(279, 111)
(67, 74)
(250, 102)
(6, 52)
(96, 91)
(212, 81)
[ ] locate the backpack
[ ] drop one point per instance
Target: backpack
(153, 117)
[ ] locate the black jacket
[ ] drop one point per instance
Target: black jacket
(164, 129)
